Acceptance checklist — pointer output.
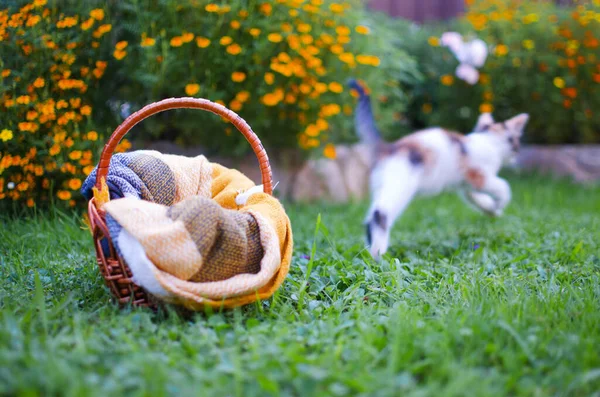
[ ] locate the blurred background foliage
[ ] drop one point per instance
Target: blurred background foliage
(71, 71)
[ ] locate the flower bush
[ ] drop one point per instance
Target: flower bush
(281, 64)
(49, 70)
(71, 71)
(544, 60)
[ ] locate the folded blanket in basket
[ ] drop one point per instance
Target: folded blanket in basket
(188, 233)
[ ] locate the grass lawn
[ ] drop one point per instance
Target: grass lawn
(464, 305)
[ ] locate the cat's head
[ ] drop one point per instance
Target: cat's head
(508, 132)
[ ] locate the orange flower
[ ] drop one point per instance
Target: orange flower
(329, 151)
(92, 135)
(501, 50)
(192, 89)
(186, 37)
(242, 96)
(176, 41)
(63, 195)
(274, 37)
(123, 146)
(570, 92)
(266, 8)
(211, 8)
(269, 78)
(87, 24)
(362, 29)
(336, 87)
(225, 40)
(202, 42)
(118, 54)
(238, 77)
(234, 49)
(6, 72)
(75, 102)
(121, 45)
(147, 42)
(254, 32)
(86, 110)
(235, 105)
(74, 184)
(54, 150)
(235, 25)
(97, 14)
(75, 155)
(486, 108)
(447, 80)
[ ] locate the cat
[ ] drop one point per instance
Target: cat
(429, 161)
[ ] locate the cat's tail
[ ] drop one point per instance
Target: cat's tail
(363, 116)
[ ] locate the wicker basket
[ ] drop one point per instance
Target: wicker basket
(115, 271)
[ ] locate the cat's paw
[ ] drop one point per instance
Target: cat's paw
(243, 197)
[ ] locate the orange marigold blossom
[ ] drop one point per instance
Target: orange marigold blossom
(238, 77)
(336, 87)
(123, 146)
(97, 14)
(242, 96)
(329, 151)
(447, 80)
(234, 49)
(74, 184)
(274, 37)
(486, 108)
(118, 54)
(86, 110)
(225, 40)
(266, 8)
(254, 32)
(121, 45)
(202, 42)
(87, 24)
(147, 42)
(92, 135)
(176, 41)
(192, 89)
(63, 195)
(269, 78)
(360, 29)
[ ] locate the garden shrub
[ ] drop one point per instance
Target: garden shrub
(51, 67)
(72, 70)
(281, 64)
(544, 60)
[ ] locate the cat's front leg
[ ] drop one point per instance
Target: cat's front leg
(499, 189)
(480, 201)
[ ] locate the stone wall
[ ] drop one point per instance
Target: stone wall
(346, 178)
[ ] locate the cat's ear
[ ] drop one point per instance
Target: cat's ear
(484, 122)
(517, 124)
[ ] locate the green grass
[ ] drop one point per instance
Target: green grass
(464, 305)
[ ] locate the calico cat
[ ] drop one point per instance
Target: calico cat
(431, 160)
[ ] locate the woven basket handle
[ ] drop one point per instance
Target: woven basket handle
(190, 103)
